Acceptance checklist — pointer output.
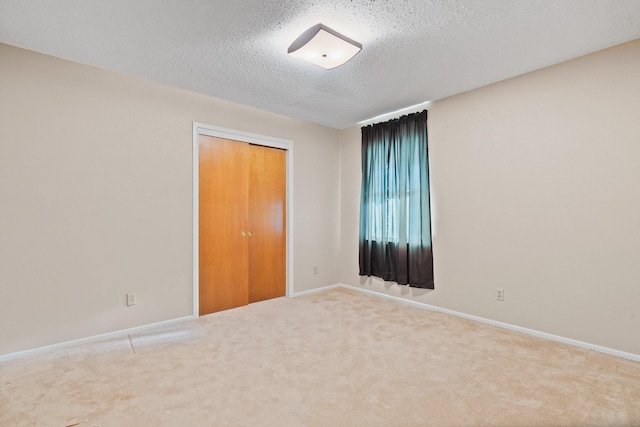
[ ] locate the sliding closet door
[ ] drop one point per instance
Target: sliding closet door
(267, 219)
(223, 225)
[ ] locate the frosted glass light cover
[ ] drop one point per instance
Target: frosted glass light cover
(324, 47)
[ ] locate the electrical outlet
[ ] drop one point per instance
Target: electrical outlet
(500, 294)
(131, 298)
(315, 269)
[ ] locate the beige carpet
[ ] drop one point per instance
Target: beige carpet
(335, 358)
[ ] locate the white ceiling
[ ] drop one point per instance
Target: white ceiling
(413, 50)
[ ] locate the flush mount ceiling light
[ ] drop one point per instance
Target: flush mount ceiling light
(325, 47)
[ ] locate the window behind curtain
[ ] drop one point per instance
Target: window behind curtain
(395, 221)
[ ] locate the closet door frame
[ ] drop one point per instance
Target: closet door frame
(267, 141)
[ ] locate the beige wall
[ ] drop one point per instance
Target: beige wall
(536, 189)
(95, 193)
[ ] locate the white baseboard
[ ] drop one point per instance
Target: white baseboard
(564, 340)
(533, 332)
(313, 291)
(95, 338)
(92, 339)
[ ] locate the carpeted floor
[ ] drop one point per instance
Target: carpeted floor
(334, 358)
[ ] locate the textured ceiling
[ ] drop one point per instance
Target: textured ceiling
(413, 50)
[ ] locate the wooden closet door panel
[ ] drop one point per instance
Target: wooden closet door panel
(267, 219)
(223, 216)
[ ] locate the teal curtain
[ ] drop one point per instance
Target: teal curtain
(395, 220)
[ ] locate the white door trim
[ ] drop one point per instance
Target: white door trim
(218, 132)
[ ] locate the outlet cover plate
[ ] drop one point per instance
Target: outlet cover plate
(131, 298)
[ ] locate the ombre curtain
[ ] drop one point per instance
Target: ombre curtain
(395, 217)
